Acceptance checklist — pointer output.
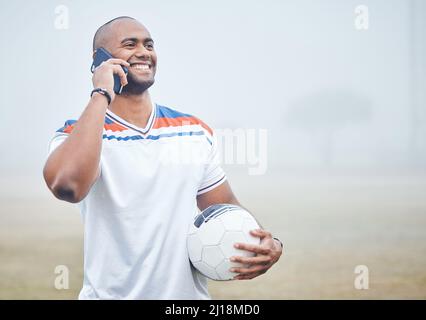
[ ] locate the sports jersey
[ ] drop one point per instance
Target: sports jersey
(137, 213)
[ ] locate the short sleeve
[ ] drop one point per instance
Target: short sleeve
(214, 175)
(61, 135)
(56, 141)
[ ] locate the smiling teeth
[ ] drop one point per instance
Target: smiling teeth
(141, 66)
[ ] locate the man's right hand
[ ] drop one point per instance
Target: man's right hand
(103, 76)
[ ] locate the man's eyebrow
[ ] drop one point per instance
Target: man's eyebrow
(136, 40)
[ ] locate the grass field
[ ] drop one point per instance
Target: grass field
(329, 223)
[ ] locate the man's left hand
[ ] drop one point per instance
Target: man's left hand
(267, 253)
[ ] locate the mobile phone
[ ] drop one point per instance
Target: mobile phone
(102, 55)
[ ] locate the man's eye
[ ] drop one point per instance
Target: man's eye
(150, 46)
(130, 44)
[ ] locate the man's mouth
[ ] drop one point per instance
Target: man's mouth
(140, 66)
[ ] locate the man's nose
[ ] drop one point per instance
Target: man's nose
(142, 51)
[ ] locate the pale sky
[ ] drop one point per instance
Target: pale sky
(234, 64)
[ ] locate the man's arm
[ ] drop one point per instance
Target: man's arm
(267, 253)
(220, 194)
(73, 167)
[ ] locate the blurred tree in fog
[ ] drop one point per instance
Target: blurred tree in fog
(324, 113)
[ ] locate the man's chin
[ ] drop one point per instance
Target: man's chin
(136, 88)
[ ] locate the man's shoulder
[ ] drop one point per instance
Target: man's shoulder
(168, 112)
(67, 127)
(171, 116)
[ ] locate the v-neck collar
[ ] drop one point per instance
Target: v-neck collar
(129, 125)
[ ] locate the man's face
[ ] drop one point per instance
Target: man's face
(129, 40)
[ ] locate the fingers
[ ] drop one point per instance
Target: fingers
(247, 276)
(118, 61)
(266, 256)
(119, 70)
(253, 248)
(248, 270)
(260, 233)
(263, 260)
(113, 62)
(103, 74)
(249, 273)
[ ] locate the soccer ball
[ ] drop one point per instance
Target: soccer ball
(212, 236)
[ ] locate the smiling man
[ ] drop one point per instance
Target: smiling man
(136, 201)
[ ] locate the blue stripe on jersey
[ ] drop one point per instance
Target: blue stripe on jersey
(223, 177)
(108, 120)
(150, 137)
(165, 112)
(164, 135)
(66, 124)
(122, 138)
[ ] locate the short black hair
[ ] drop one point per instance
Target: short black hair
(102, 27)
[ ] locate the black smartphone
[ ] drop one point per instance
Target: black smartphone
(102, 55)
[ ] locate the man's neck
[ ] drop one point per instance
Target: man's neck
(135, 109)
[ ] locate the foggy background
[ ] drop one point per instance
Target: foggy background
(344, 111)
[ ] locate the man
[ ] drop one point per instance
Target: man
(117, 162)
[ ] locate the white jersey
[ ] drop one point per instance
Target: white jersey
(137, 213)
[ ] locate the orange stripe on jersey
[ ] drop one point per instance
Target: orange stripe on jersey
(107, 126)
(68, 128)
(114, 127)
(163, 122)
